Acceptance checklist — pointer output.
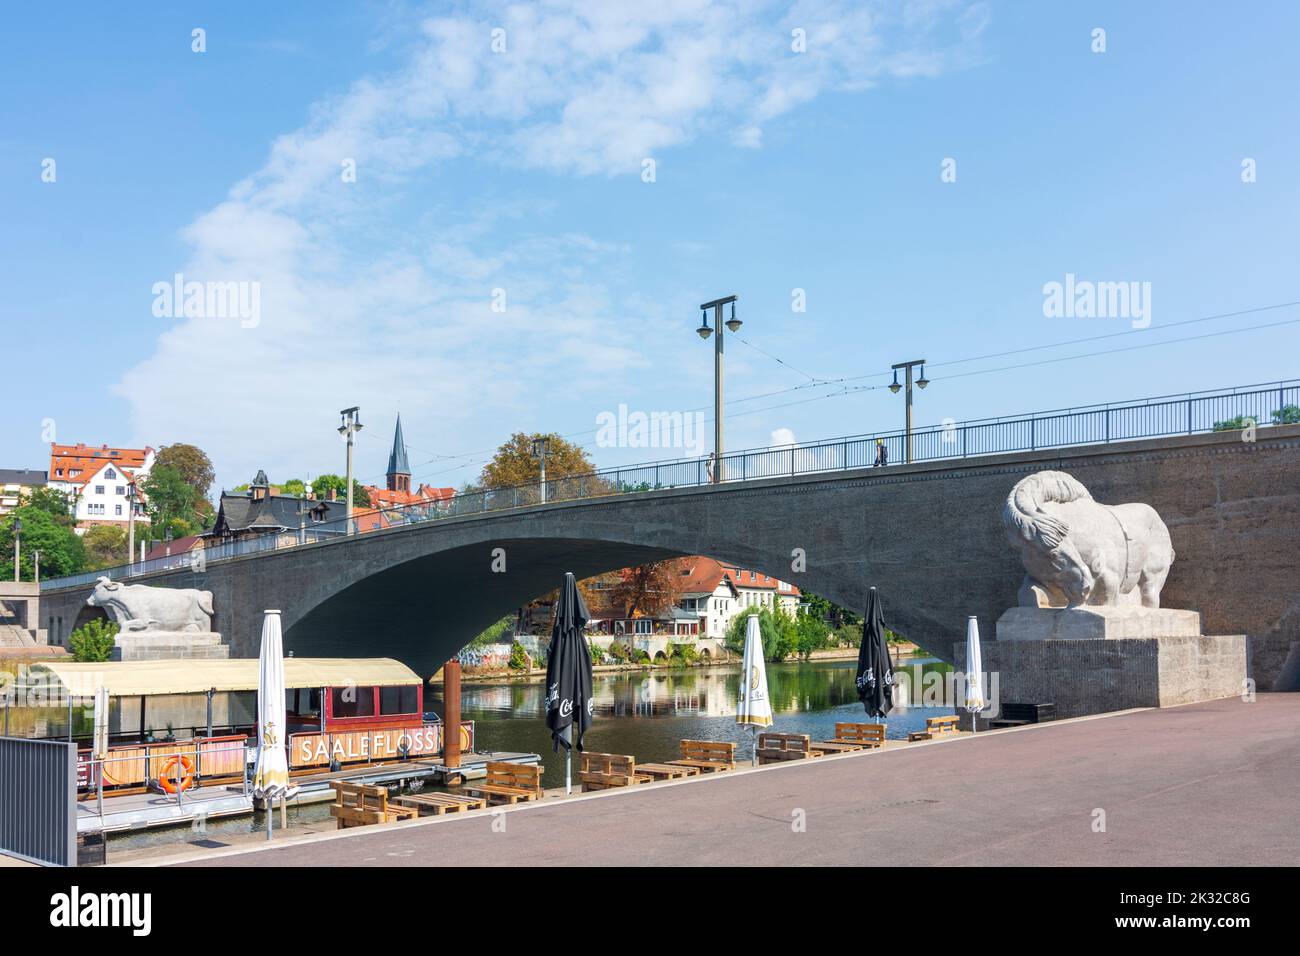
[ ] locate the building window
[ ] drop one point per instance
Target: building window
(119, 509)
(121, 491)
(111, 475)
(99, 489)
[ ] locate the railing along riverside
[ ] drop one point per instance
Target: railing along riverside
(1185, 414)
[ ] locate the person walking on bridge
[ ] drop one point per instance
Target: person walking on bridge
(882, 453)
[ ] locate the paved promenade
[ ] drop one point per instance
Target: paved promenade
(1205, 784)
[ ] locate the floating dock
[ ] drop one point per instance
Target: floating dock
(140, 811)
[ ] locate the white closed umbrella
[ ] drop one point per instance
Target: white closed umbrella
(754, 707)
(99, 743)
(271, 778)
(975, 701)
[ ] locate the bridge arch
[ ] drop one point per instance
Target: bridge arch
(927, 535)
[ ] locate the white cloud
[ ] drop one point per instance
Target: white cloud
(360, 308)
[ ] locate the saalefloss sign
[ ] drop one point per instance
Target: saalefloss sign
(316, 749)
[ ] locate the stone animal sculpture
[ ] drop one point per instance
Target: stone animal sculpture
(137, 607)
(1077, 551)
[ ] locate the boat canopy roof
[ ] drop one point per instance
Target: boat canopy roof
(149, 678)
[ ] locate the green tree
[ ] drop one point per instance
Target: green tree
(190, 462)
(514, 464)
(809, 634)
(775, 626)
(93, 641)
(172, 502)
(828, 611)
(1286, 415)
(53, 502)
(518, 657)
(323, 485)
(62, 552)
(105, 546)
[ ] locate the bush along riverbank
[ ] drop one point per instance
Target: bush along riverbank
(535, 672)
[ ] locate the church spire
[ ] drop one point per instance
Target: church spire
(399, 469)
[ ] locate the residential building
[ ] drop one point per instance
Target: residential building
(178, 549)
(711, 595)
(258, 511)
(16, 483)
(100, 481)
(717, 592)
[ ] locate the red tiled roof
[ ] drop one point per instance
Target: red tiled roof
(369, 519)
(85, 459)
(706, 574)
(179, 546)
(385, 498)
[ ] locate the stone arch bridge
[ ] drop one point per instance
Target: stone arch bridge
(927, 535)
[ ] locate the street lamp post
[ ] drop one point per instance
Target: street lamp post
(36, 563)
(539, 452)
(704, 332)
(130, 527)
(302, 520)
(922, 382)
(18, 537)
(351, 425)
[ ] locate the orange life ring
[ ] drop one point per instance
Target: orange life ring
(167, 781)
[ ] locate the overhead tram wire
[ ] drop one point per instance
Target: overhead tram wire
(820, 383)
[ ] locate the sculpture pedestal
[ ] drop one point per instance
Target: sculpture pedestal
(169, 645)
(1095, 623)
(1094, 660)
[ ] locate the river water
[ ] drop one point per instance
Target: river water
(642, 713)
(647, 713)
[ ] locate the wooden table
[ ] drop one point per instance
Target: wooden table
(663, 771)
(826, 746)
(440, 803)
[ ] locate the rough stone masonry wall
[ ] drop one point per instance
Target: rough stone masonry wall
(1094, 676)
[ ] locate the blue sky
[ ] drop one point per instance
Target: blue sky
(522, 170)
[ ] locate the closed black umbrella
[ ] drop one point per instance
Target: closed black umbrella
(875, 670)
(568, 673)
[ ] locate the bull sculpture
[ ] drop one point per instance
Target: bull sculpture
(1080, 552)
(137, 607)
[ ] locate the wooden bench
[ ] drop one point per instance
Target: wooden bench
(666, 771)
(707, 756)
(602, 771)
(936, 727)
(440, 803)
(359, 805)
(850, 737)
(510, 783)
(774, 748)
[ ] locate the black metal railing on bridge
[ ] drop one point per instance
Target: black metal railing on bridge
(1190, 413)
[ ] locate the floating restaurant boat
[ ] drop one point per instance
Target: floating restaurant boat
(175, 724)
